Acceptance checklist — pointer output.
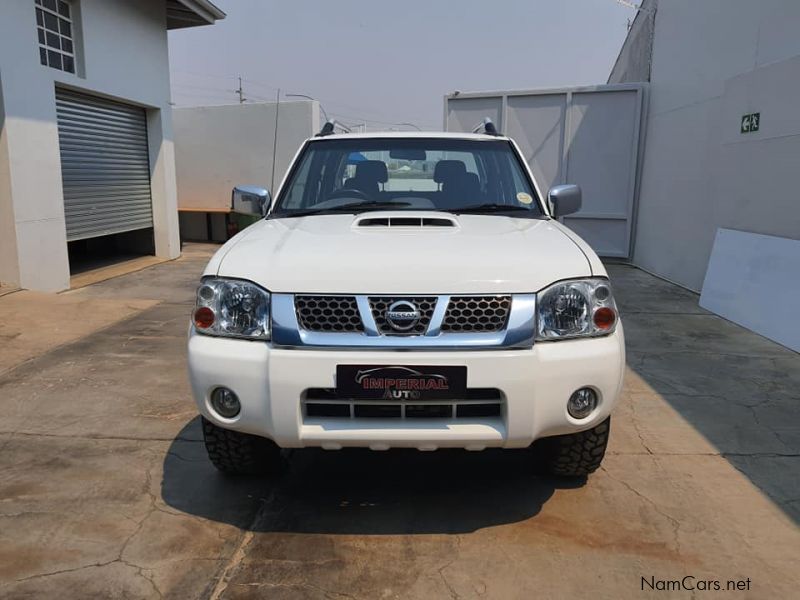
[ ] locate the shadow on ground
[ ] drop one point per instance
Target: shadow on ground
(361, 492)
(737, 389)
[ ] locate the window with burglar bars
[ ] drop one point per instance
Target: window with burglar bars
(55, 30)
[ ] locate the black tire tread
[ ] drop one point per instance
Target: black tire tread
(239, 453)
(577, 454)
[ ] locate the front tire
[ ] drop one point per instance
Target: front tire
(237, 453)
(576, 454)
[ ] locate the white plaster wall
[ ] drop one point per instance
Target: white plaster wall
(714, 61)
(124, 57)
(9, 265)
(218, 147)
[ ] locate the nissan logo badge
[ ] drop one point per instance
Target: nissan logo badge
(402, 315)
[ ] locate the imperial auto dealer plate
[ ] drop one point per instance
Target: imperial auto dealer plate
(390, 382)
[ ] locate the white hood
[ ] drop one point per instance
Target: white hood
(330, 254)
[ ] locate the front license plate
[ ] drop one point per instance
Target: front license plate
(391, 382)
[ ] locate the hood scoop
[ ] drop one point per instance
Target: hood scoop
(405, 221)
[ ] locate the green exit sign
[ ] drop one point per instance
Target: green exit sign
(750, 122)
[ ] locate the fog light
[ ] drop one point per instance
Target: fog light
(225, 402)
(582, 403)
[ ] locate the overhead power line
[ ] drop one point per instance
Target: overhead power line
(307, 97)
(239, 93)
(381, 117)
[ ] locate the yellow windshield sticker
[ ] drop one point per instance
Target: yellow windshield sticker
(524, 198)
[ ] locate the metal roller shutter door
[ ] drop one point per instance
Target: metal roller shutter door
(105, 165)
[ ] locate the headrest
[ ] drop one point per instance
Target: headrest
(448, 169)
(374, 170)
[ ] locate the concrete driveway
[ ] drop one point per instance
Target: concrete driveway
(105, 489)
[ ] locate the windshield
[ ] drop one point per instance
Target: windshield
(356, 175)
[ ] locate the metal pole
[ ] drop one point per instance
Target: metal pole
(322, 108)
(275, 142)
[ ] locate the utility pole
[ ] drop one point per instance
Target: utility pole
(240, 91)
(275, 141)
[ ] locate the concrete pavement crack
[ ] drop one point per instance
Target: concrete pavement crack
(173, 453)
(119, 558)
(240, 552)
(153, 508)
(139, 571)
(8, 441)
(99, 437)
(714, 454)
(767, 427)
(453, 594)
(635, 421)
(104, 329)
(62, 571)
(676, 524)
(332, 594)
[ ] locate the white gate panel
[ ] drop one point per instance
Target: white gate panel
(469, 112)
(541, 139)
(602, 140)
(588, 136)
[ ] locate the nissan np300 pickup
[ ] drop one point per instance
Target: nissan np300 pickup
(406, 291)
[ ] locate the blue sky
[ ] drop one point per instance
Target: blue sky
(389, 61)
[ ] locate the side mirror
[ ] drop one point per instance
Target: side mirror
(250, 200)
(565, 199)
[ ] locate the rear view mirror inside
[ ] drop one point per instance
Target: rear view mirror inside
(409, 154)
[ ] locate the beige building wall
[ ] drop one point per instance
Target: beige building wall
(218, 147)
(123, 56)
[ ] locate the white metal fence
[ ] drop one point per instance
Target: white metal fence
(590, 136)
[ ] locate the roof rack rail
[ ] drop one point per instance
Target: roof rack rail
(327, 129)
(487, 126)
(330, 128)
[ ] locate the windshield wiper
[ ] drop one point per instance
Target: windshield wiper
(350, 206)
(367, 204)
(494, 207)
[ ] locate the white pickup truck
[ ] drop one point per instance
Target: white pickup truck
(406, 291)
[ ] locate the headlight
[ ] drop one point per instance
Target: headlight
(582, 307)
(234, 308)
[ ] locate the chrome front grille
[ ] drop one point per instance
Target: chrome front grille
(464, 314)
(380, 304)
(328, 313)
(432, 322)
(476, 313)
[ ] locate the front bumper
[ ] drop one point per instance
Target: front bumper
(535, 384)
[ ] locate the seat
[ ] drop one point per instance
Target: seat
(458, 187)
(448, 170)
(369, 174)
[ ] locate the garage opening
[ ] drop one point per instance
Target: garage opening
(91, 254)
(105, 167)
